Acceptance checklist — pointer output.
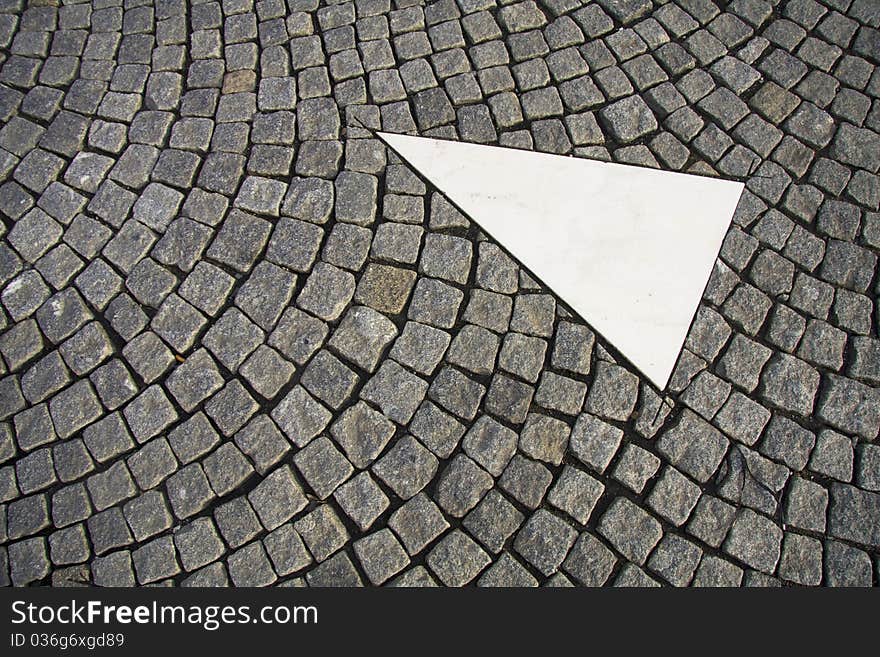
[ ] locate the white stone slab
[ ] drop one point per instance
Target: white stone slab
(628, 248)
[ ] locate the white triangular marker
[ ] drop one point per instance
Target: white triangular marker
(628, 248)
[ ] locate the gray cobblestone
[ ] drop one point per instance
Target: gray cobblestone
(121, 166)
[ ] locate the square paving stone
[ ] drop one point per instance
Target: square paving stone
(526, 480)
(589, 561)
(437, 430)
(711, 520)
(300, 416)
(489, 310)
(613, 393)
(231, 407)
(493, 521)
(298, 335)
(356, 198)
(628, 119)
(70, 504)
(786, 441)
(693, 446)
(155, 560)
(227, 469)
(397, 392)
(806, 505)
(381, 556)
(266, 371)
(35, 471)
(385, 288)
(147, 515)
(362, 336)
(108, 438)
(362, 500)
(322, 531)
(60, 316)
(755, 540)
(435, 303)
(833, 456)
(850, 406)
(420, 347)
(113, 570)
(507, 572)
(347, 246)
(294, 244)
(152, 463)
(509, 399)
(560, 393)
(148, 356)
(572, 347)
(277, 498)
(69, 546)
(178, 323)
(407, 467)
(594, 442)
(309, 199)
(630, 529)
(457, 393)
(534, 314)
(457, 559)
(846, 566)
(86, 349)
(801, 560)
(33, 427)
(189, 491)
(240, 240)
(111, 486)
(446, 257)
(544, 438)
(194, 380)
(474, 349)
(635, 467)
(461, 485)
(674, 496)
(362, 433)
(417, 523)
(287, 551)
(249, 566)
(74, 408)
(27, 516)
(327, 292)
(149, 413)
(337, 571)
(262, 442)
(237, 521)
(329, 379)
(21, 343)
(29, 561)
(265, 294)
(34, 234)
(544, 541)
(576, 493)
(490, 444)
(675, 560)
(198, 544)
(322, 466)
(397, 243)
(742, 418)
(232, 338)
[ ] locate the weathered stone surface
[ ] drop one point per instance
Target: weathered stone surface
(243, 342)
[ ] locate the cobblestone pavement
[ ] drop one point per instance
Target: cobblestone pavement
(242, 343)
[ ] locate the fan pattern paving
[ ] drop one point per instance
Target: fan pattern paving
(243, 344)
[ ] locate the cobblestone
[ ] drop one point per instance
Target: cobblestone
(213, 273)
(630, 529)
